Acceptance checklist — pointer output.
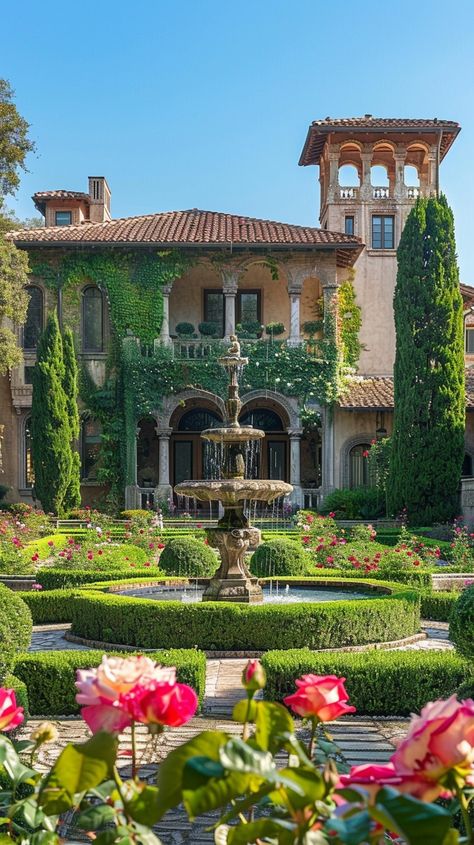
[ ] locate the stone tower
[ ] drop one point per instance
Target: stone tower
(371, 170)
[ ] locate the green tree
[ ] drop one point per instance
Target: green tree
(14, 147)
(429, 418)
(50, 428)
(72, 498)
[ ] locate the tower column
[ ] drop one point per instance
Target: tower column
(328, 451)
(230, 283)
(400, 158)
(333, 188)
(366, 186)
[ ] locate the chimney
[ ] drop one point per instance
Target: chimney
(99, 199)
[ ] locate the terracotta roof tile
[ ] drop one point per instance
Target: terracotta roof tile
(60, 195)
(377, 392)
(193, 228)
(320, 129)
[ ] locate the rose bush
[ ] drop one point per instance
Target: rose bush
(303, 800)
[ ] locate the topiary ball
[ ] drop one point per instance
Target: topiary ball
(15, 628)
(461, 623)
(188, 557)
(279, 557)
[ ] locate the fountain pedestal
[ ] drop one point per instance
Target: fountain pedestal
(233, 581)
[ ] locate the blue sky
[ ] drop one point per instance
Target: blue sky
(206, 103)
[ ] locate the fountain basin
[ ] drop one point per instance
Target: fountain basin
(276, 593)
(241, 434)
(232, 491)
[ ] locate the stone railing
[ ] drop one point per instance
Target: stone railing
(312, 497)
(348, 193)
(413, 192)
(380, 193)
(196, 349)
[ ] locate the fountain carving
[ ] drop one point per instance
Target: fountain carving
(233, 534)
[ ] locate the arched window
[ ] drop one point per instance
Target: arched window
(34, 318)
(90, 448)
(92, 320)
(262, 418)
(28, 473)
(198, 419)
(359, 466)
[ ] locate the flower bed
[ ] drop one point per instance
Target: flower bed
(224, 626)
(49, 676)
(381, 683)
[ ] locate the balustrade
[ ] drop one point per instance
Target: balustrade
(380, 192)
(349, 193)
(413, 192)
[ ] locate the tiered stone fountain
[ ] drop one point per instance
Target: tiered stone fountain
(233, 534)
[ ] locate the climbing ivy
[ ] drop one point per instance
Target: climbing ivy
(350, 320)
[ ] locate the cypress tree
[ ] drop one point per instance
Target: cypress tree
(429, 418)
(72, 498)
(50, 429)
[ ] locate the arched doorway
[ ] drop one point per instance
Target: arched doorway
(147, 453)
(272, 460)
(188, 449)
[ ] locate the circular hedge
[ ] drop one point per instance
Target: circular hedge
(279, 557)
(145, 623)
(15, 628)
(461, 624)
(186, 556)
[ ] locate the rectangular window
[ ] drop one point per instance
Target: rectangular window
(63, 218)
(214, 309)
(383, 229)
(470, 341)
(349, 225)
(91, 440)
(249, 307)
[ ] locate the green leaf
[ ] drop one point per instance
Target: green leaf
(306, 787)
(238, 756)
(202, 794)
(206, 767)
(249, 801)
(142, 805)
(77, 769)
(244, 711)
(170, 772)
(106, 837)
(452, 837)
(417, 822)
(13, 766)
(44, 837)
(273, 723)
(247, 834)
(95, 817)
(352, 830)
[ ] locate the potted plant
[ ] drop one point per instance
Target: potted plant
(209, 328)
(251, 329)
(311, 327)
(185, 330)
(275, 329)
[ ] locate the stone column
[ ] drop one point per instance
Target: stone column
(132, 494)
(294, 337)
(400, 189)
(296, 274)
(165, 325)
(365, 185)
(333, 188)
(295, 466)
(230, 292)
(328, 474)
(432, 171)
(163, 490)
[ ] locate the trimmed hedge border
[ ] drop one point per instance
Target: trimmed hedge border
(437, 605)
(49, 607)
(15, 628)
(20, 690)
(223, 626)
(57, 579)
(379, 683)
(49, 677)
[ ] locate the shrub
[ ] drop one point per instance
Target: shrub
(209, 328)
(461, 624)
(15, 628)
(275, 329)
(358, 503)
(50, 676)
(98, 557)
(279, 557)
(185, 329)
(44, 547)
(186, 556)
(138, 514)
(437, 605)
(20, 690)
(49, 606)
(3, 491)
(382, 683)
(144, 623)
(55, 579)
(311, 327)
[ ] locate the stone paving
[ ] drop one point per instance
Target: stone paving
(361, 739)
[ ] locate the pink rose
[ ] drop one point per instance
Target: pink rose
(320, 696)
(101, 689)
(254, 676)
(160, 703)
(10, 714)
(371, 778)
(439, 740)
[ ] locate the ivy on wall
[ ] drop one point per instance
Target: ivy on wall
(313, 373)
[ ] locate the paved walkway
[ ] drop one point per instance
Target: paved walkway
(361, 740)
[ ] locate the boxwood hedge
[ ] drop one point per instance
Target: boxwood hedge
(437, 605)
(56, 579)
(146, 623)
(382, 683)
(15, 628)
(21, 693)
(49, 606)
(50, 676)
(461, 623)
